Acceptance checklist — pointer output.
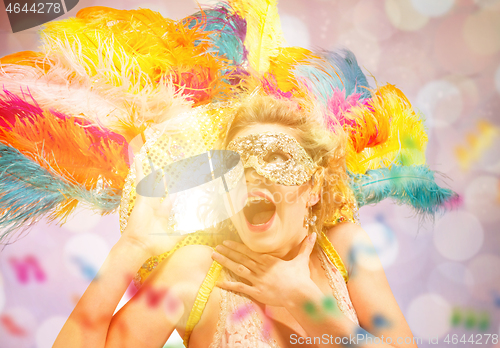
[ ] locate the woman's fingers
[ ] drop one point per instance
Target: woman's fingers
(238, 287)
(236, 268)
(238, 258)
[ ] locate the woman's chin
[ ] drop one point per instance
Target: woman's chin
(261, 247)
(260, 241)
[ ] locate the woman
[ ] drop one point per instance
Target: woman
(106, 97)
(287, 278)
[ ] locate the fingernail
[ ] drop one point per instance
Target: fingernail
(227, 243)
(312, 237)
(219, 247)
(215, 255)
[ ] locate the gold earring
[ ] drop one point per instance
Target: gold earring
(310, 219)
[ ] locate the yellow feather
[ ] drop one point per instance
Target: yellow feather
(264, 35)
(140, 46)
(403, 138)
(281, 67)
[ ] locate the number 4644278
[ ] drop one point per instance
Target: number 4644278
(478, 339)
(40, 7)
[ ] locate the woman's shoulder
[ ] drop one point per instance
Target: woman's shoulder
(345, 237)
(184, 270)
(189, 263)
(194, 252)
(345, 232)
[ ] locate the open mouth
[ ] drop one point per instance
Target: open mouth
(258, 210)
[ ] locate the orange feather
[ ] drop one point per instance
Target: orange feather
(65, 147)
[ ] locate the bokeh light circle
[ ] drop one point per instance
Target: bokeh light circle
(295, 31)
(47, 332)
(458, 235)
(429, 316)
(441, 103)
(451, 50)
(482, 32)
(452, 281)
(84, 255)
(404, 16)
(489, 161)
(485, 270)
(433, 8)
(481, 197)
(371, 20)
(470, 92)
(384, 241)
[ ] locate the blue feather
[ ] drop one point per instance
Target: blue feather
(29, 192)
(410, 185)
(229, 31)
(336, 70)
(352, 76)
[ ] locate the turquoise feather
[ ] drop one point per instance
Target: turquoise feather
(229, 31)
(29, 192)
(354, 80)
(337, 70)
(411, 185)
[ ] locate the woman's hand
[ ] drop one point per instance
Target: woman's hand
(148, 225)
(273, 281)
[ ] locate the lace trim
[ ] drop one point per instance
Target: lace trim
(221, 323)
(202, 299)
(332, 254)
(248, 331)
(344, 303)
(257, 323)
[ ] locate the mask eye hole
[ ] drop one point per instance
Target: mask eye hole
(277, 157)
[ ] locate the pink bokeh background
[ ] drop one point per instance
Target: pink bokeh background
(445, 55)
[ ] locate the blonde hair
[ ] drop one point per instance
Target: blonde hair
(326, 148)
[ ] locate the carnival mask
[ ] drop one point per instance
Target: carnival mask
(276, 156)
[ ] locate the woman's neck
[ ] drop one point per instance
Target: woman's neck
(290, 251)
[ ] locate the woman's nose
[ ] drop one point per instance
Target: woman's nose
(252, 177)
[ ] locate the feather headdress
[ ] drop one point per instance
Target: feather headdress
(106, 77)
